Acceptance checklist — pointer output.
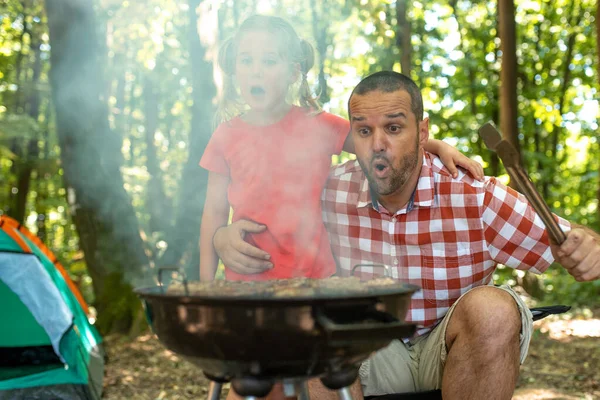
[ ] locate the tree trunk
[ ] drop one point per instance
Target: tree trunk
(156, 198)
(16, 195)
(566, 80)
(101, 209)
(508, 73)
(29, 155)
(403, 37)
(185, 234)
(24, 180)
(320, 34)
(130, 122)
(19, 62)
(495, 112)
(539, 144)
(494, 159)
(119, 108)
(33, 100)
(42, 186)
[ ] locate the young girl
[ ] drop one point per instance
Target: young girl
(270, 159)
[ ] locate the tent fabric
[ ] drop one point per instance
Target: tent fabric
(28, 332)
(10, 226)
(48, 348)
(53, 392)
(41, 297)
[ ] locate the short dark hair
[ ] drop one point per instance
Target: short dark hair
(388, 82)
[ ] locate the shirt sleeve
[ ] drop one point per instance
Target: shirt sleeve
(214, 157)
(337, 128)
(514, 232)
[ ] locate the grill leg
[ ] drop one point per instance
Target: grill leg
(296, 388)
(251, 388)
(303, 391)
(289, 388)
(214, 390)
(344, 393)
(341, 381)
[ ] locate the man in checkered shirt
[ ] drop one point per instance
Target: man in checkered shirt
(397, 205)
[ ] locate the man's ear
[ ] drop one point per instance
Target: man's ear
(423, 131)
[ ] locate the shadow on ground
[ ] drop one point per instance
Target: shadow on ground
(563, 363)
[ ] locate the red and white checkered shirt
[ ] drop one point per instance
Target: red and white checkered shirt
(447, 240)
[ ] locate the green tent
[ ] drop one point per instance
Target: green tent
(48, 348)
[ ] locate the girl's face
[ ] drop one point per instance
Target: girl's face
(262, 74)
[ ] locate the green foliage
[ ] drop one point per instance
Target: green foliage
(555, 286)
(18, 126)
(560, 287)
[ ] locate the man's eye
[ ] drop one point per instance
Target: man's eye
(395, 128)
(363, 131)
(270, 62)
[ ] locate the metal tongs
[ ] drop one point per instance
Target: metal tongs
(512, 163)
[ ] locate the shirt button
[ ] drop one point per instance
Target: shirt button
(395, 261)
(393, 219)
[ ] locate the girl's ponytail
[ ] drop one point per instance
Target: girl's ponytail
(227, 57)
(307, 60)
(228, 104)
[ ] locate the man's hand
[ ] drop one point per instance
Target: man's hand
(580, 254)
(236, 253)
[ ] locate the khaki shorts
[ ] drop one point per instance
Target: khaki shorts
(418, 365)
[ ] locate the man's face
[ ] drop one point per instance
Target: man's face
(387, 139)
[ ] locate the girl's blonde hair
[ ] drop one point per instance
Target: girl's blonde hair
(294, 50)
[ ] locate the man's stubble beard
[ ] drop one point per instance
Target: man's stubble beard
(398, 177)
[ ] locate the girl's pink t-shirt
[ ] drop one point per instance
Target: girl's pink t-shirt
(277, 175)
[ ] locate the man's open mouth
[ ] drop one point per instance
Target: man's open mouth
(380, 168)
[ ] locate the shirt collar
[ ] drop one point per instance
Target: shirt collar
(423, 196)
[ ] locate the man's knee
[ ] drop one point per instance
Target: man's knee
(486, 313)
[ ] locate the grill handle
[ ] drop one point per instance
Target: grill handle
(385, 327)
(177, 271)
(387, 271)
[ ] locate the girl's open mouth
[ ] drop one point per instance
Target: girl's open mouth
(257, 91)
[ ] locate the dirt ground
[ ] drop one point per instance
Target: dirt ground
(563, 363)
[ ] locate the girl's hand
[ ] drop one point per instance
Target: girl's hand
(451, 158)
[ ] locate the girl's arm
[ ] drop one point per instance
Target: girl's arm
(214, 216)
(451, 157)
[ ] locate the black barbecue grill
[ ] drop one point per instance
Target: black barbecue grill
(255, 340)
